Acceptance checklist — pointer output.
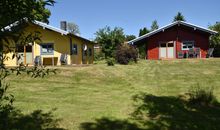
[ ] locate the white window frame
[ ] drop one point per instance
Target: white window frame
(187, 46)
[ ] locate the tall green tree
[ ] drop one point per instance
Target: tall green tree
(179, 17)
(129, 37)
(143, 31)
(109, 39)
(215, 40)
(154, 25)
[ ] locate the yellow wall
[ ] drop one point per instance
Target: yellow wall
(61, 46)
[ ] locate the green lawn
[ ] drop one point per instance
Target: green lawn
(98, 93)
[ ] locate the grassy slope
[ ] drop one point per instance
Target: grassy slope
(83, 94)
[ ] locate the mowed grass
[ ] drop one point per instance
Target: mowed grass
(84, 94)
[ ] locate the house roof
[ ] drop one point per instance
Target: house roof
(171, 25)
(47, 26)
(63, 32)
(44, 25)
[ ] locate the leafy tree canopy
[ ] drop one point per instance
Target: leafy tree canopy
(179, 17)
(129, 37)
(215, 40)
(109, 39)
(15, 10)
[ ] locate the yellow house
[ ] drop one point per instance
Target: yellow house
(55, 45)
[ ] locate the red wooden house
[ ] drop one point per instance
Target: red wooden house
(176, 40)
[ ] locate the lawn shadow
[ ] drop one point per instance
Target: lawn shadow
(175, 113)
(13, 119)
(162, 113)
(109, 124)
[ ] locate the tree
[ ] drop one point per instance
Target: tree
(15, 14)
(154, 25)
(73, 28)
(129, 37)
(179, 17)
(142, 46)
(109, 39)
(15, 10)
(215, 40)
(143, 31)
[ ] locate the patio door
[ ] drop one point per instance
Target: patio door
(25, 53)
(167, 50)
(163, 50)
(170, 50)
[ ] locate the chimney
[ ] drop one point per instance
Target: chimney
(63, 25)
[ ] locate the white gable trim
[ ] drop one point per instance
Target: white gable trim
(44, 25)
(171, 25)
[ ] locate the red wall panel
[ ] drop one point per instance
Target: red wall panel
(177, 34)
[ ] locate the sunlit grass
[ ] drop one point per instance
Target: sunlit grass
(82, 94)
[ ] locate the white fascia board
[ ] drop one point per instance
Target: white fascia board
(170, 25)
(44, 25)
(152, 33)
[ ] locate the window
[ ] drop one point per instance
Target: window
(186, 45)
(74, 49)
(47, 49)
(90, 51)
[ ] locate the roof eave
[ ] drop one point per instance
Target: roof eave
(211, 32)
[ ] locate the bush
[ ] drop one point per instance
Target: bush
(202, 96)
(98, 56)
(125, 54)
(110, 61)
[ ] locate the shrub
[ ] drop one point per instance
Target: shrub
(98, 56)
(202, 96)
(126, 53)
(110, 61)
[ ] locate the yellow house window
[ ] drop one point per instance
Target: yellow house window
(47, 49)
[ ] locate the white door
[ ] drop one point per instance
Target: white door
(163, 50)
(170, 50)
(167, 50)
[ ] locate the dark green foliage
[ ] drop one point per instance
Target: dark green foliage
(215, 39)
(129, 37)
(202, 96)
(142, 50)
(143, 31)
(15, 10)
(125, 54)
(179, 17)
(109, 39)
(13, 119)
(110, 61)
(154, 25)
(98, 56)
(109, 124)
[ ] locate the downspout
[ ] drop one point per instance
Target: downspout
(71, 45)
(177, 40)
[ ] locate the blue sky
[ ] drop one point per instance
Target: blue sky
(131, 15)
